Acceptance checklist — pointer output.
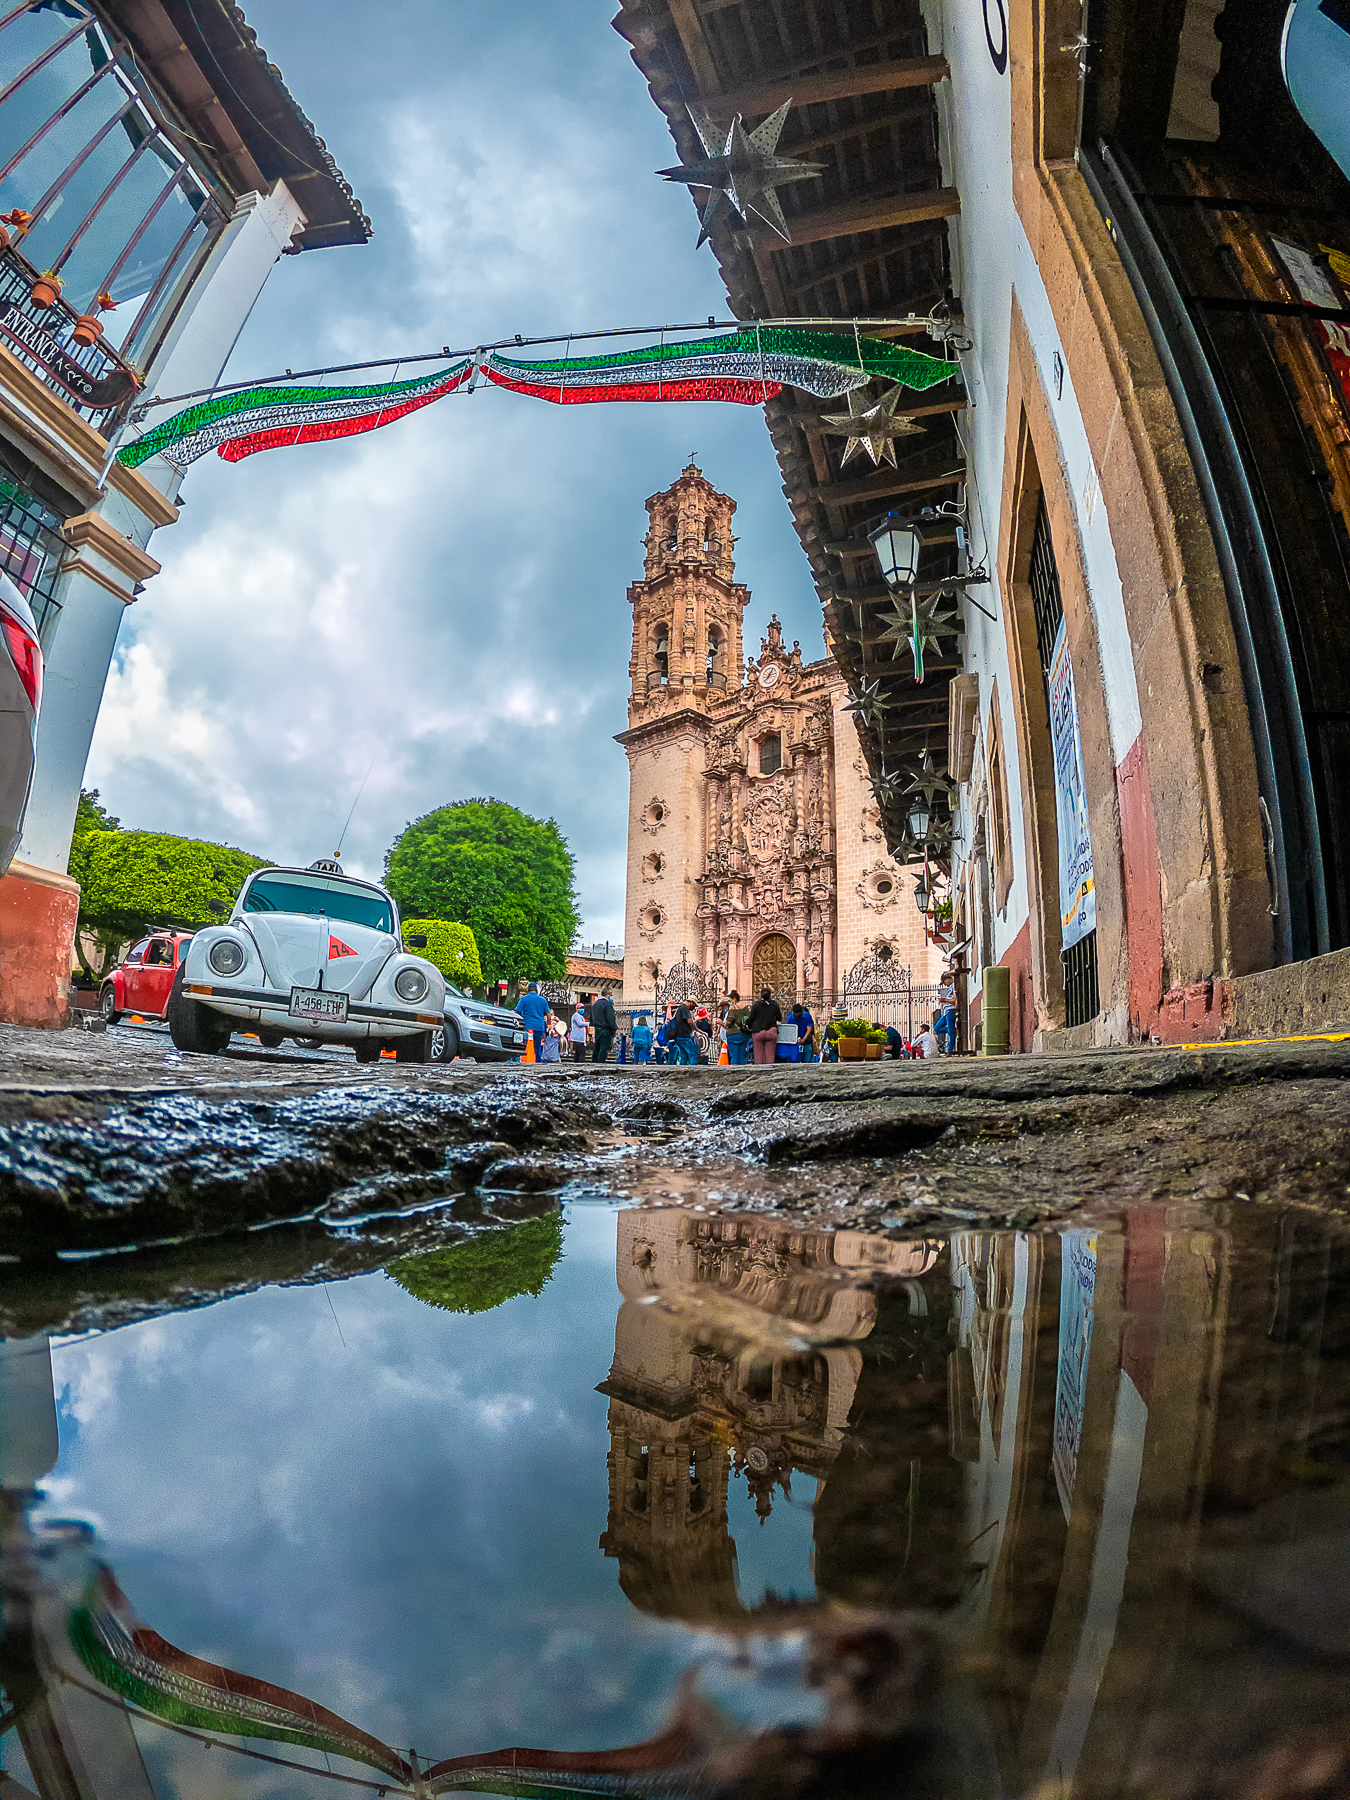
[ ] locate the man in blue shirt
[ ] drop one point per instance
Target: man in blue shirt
(534, 1009)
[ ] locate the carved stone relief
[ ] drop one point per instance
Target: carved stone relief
(879, 887)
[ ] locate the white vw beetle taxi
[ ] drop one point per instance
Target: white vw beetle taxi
(309, 953)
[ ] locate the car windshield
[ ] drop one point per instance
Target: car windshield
(320, 894)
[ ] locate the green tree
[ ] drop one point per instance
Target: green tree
(130, 880)
(505, 875)
(451, 947)
(478, 1275)
(90, 816)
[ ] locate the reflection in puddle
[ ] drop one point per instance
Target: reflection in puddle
(985, 1514)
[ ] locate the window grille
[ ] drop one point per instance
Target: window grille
(770, 755)
(31, 546)
(1080, 961)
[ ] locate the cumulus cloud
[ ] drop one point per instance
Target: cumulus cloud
(441, 604)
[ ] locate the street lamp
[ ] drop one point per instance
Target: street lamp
(919, 820)
(897, 543)
(923, 893)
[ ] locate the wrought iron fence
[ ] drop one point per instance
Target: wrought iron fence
(92, 379)
(881, 988)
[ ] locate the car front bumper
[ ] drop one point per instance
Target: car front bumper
(273, 1013)
(488, 1038)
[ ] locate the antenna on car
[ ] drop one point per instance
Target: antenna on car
(337, 854)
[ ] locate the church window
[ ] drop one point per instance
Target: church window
(715, 673)
(663, 650)
(770, 754)
(653, 865)
(653, 918)
(884, 884)
(656, 812)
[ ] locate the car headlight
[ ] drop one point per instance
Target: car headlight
(226, 957)
(410, 984)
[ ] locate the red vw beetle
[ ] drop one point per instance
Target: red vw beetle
(141, 982)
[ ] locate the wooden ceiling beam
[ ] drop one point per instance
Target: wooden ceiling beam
(874, 487)
(832, 84)
(849, 218)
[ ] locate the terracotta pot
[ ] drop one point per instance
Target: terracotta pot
(88, 329)
(44, 292)
(852, 1049)
(875, 1052)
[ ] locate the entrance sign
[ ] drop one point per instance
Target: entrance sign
(90, 390)
(1077, 890)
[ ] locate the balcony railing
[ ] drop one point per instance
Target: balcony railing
(92, 379)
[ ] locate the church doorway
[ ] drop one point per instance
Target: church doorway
(775, 967)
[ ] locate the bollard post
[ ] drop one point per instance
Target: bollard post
(995, 1009)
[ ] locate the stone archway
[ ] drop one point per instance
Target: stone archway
(775, 968)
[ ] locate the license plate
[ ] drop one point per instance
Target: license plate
(519, 1038)
(319, 1005)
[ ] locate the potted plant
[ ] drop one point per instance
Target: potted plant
(876, 1044)
(46, 290)
(853, 1035)
(18, 220)
(89, 327)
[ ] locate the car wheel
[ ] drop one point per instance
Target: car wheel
(444, 1043)
(368, 1050)
(107, 1005)
(198, 1029)
(413, 1049)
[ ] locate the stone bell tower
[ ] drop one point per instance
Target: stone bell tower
(687, 608)
(686, 661)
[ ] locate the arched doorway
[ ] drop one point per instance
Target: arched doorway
(775, 967)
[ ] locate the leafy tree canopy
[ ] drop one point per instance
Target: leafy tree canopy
(90, 816)
(133, 879)
(475, 1276)
(505, 875)
(451, 947)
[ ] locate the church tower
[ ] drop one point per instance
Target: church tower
(686, 658)
(687, 608)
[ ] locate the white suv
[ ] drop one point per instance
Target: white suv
(309, 953)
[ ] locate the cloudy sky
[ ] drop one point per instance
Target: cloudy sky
(443, 600)
(392, 1509)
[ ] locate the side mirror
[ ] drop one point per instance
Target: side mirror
(417, 942)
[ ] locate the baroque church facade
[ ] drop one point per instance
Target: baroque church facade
(754, 843)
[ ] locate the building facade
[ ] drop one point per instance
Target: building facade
(1136, 255)
(135, 171)
(755, 850)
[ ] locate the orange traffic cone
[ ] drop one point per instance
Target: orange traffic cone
(529, 1048)
(724, 1059)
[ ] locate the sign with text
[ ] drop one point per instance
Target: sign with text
(1077, 889)
(89, 389)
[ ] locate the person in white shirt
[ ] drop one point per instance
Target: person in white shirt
(576, 1033)
(926, 1043)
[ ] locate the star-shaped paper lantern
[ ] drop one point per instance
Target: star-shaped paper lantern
(872, 425)
(742, 168)
(920, 626)
(869, 703)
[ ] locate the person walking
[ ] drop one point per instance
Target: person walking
(764, 1019)
(738, 1035)
(680, 1036)
(806, 1032)
(605, 1025)
(534, 1010)
(576, 1032)
(642, 1039)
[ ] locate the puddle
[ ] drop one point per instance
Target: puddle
(663, 1502)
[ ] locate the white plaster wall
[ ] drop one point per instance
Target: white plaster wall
(992, 260)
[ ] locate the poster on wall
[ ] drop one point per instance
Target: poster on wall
(1077, 890)
(1318, 289)
(1077, 1288)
